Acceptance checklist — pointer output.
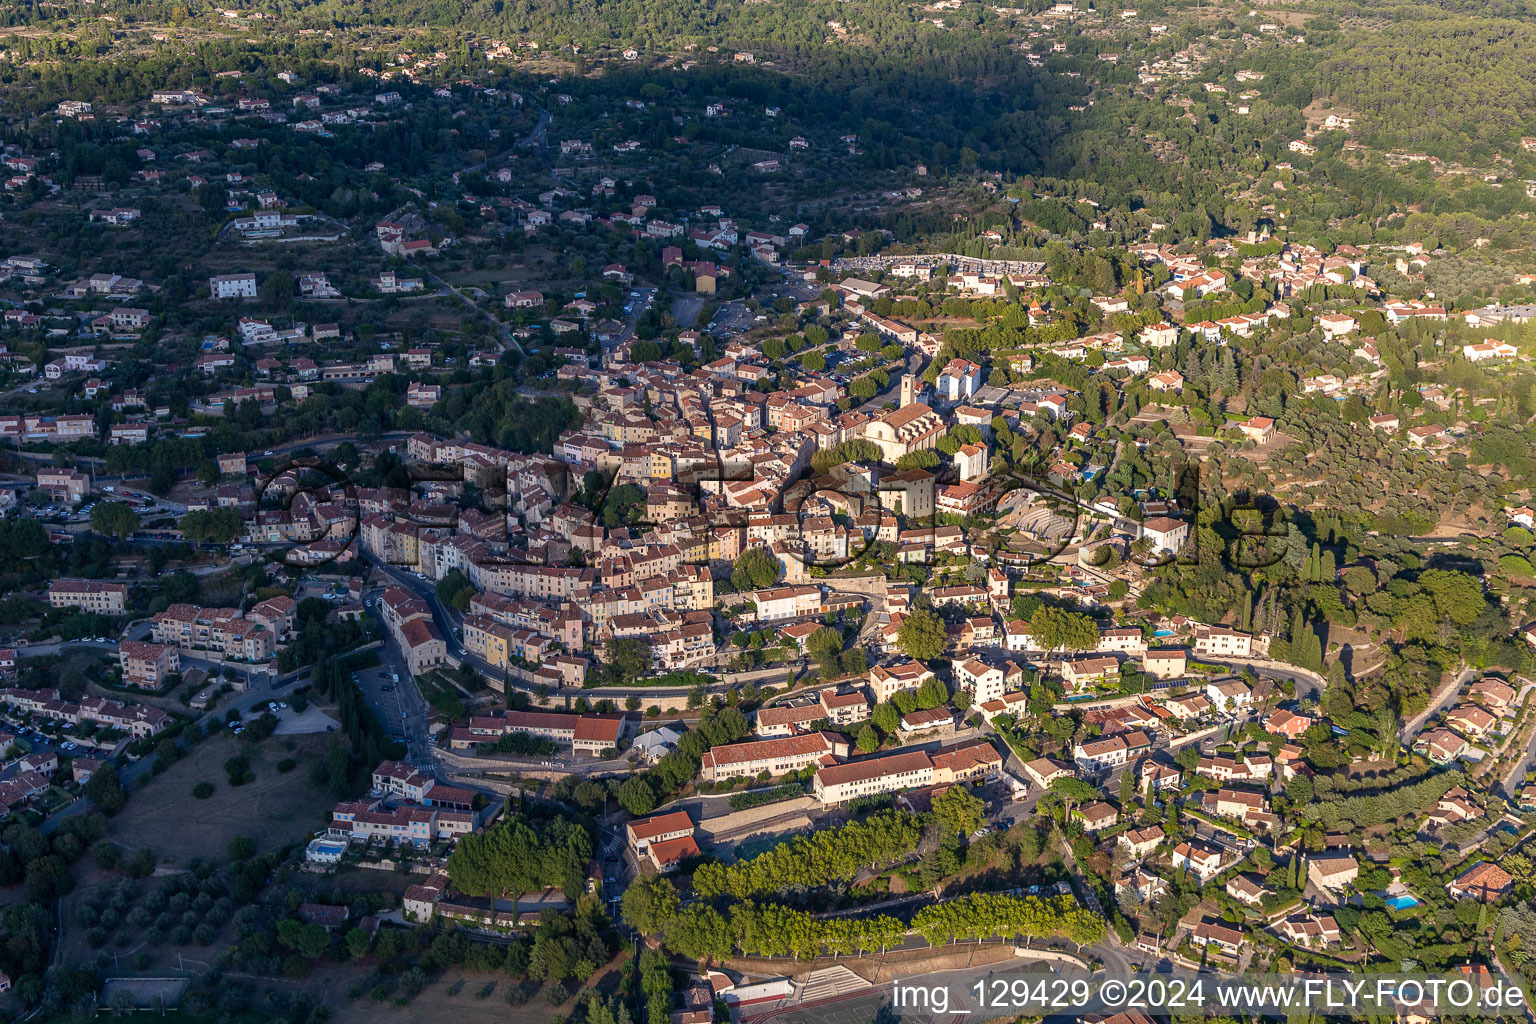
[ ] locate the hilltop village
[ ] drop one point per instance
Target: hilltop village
(473, 517)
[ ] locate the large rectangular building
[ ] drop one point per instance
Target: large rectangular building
(585, 734)
(138, 720)
(502, 645)
(840, 783)
(232, 286)
(89, 596)
(776, 756)
(787, 602)
(220, 630)
(1222, 642)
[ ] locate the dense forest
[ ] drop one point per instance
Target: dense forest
(1450, 82)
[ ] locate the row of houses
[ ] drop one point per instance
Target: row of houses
(136, 720)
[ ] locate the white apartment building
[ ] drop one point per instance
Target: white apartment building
(232, 286)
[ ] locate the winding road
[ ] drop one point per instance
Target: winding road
(1437, 702)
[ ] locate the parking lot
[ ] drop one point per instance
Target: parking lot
(733, 318)
(65, 514)
(381, 689)
(686, 309)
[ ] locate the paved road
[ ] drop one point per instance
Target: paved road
(535, 134)
(917, 365)
(1509, 785)
(324, 442)
(686, 309)
(445, 619)
(1308, 684)
(1439, 700)
(35, 650)
(319, 442)
(733, 318)
(538, 138)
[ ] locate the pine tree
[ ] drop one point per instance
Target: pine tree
(1295, 547)
(1306, 649)
(1226, 372)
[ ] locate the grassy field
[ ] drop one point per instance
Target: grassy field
(277, 808)
(465, 997)
(464, 1005)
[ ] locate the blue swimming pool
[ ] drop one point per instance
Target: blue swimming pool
(1402, 902)
(1162, 632)
(325, 851)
